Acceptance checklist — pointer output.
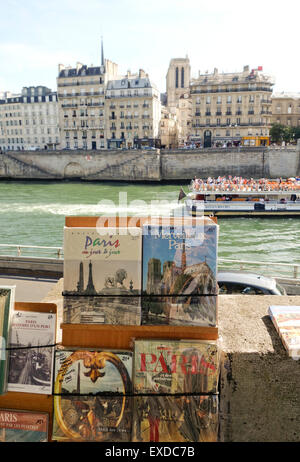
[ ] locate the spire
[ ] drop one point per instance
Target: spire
(102, 52)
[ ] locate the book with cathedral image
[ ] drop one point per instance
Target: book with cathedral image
(180, 274)
(102, 275)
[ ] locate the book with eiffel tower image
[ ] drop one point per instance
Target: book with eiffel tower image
(102, 276)
(179, 275)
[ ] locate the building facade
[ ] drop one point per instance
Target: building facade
(168, 129)
(29, 120)
(230, 107)
(133, 112)
(81, 97)
(286, 109)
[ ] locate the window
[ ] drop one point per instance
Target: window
(182, 77)
(176, 77)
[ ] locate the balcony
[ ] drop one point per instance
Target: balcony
(113, 118)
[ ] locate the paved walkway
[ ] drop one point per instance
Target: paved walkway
(28, 289)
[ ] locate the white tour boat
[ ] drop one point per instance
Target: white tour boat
(241, 197)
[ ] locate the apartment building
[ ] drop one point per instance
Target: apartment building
(228, 107)
(286, 109)
(81, 97)
(133, 112)
(29, 120)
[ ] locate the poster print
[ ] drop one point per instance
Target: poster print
(175, 419)
(175, 366)
(92, 399)
(32, 352)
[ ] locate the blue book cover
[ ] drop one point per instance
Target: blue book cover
(180, 274)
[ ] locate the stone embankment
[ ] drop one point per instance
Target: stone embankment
(149, 166)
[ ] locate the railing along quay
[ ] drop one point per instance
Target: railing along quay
(288, 271)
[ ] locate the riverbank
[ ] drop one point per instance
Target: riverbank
(150, 166)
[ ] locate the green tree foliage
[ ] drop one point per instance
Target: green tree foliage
(279, 133)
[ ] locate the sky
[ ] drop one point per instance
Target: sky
(37, 35)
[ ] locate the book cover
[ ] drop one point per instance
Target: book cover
(175, 419)
(7, 299)
(18, 426)
(102, 275)
(175, 366)
(179, 274)
(31, 355)
(286, 320)
(180, 260)
(92, 395)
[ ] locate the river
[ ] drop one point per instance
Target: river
(33, 213)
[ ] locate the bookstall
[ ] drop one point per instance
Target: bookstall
(139, 359)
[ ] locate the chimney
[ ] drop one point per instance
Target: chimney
(215, 71)
(141, 73)
(246, 68)
(61, 67)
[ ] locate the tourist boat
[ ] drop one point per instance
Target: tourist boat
(242, 197)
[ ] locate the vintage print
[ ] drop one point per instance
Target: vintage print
(175, 366)
(31, 356)
(92, 395)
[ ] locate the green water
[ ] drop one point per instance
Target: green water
(34, 214)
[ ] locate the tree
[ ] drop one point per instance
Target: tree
(277, 133)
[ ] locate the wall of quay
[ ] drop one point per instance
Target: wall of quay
(149, 166)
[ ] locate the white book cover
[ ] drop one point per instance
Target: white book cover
(31, 352)
(102, 261)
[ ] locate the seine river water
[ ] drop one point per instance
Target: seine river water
(33, 213)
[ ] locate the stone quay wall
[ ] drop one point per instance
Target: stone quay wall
(149, 166)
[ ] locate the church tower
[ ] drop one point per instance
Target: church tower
(178, 80)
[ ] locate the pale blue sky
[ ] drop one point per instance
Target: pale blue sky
(37, 35)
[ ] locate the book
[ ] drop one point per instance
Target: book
(18, 426)
(175, 418)
(7, 299)
(92, 395)
(31, 356)
(286, 320)
(102, 275)
(180, 274)
(175, 366)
